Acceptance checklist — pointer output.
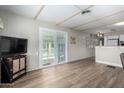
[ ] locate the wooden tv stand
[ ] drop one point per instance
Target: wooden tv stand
(13, 67)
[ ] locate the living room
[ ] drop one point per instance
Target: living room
(73, 48)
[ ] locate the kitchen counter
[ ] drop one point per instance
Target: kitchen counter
(109, 55)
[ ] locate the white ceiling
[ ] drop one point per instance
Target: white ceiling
(78, 20)
(100, 18)
(28, 11)
(57, 13)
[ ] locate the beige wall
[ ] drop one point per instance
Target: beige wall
(19, 26)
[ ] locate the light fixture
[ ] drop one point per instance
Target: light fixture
(113, 30)
(1, 25)
(100, 35)
(119, 23)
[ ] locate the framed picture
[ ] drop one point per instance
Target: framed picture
(72, 40)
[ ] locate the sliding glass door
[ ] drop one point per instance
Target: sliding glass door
(52, 47)
(48, 55)
(61, 47)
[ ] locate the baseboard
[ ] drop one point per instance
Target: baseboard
(107, 63)
(81, 59)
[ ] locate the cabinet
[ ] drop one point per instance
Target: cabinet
(111, 40)
(13, 67)
(115, 40)
(121, 37)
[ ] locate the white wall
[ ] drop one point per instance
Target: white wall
(109, 55)
(79, 50)
(19, 26)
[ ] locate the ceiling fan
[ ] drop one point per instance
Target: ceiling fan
(85, 11)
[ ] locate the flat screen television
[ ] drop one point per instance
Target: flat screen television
(12, 45)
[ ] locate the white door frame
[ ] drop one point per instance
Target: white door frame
(40, 47)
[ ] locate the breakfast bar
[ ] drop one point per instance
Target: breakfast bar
(109, 55)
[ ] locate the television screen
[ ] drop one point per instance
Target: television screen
(10, 45)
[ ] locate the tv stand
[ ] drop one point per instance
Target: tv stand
(13, 67)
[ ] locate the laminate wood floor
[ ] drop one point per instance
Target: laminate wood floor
(80, 74)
